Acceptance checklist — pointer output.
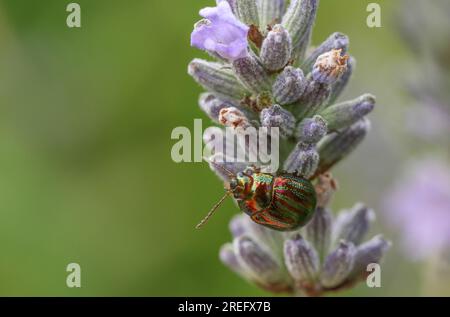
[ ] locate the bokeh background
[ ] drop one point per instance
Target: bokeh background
(85, 170)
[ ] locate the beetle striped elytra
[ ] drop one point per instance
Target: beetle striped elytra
(282, 202)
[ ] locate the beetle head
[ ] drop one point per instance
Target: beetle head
(241, 185)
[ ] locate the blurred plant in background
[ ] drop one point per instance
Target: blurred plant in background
(425, 26)
(418, 205)
(266, 76)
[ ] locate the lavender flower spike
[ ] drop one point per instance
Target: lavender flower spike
(261, 77)
(221, 33)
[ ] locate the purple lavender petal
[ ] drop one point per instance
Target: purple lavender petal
(221, 33)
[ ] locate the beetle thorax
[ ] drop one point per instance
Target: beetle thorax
(255, 190)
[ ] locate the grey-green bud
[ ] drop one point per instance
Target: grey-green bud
(259, 262)
(299, 18)
(303, 160)
(318, 231)
(313, 99)
(352, 226)
(247, 12)
(277, 117)
(271, 12)
(369, 252)
(289, 86)
(312, 130)
(276, 49)
(216, 78)
(338, 265)
(301, 260)
(344, 114)
(252, 74)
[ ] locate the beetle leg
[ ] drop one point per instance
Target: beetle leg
(261, 220)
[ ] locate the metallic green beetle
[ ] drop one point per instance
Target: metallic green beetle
(283, 202)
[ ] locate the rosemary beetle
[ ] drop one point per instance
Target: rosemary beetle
(283, 202)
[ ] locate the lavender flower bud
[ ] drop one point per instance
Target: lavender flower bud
(276, 49)
(214, 77)
(233, 117)
(337, 146)
(340, 85)
(299, 18)
(353, 226)
(329, 67)
(277, 117)
(271, 12)
(338, 265)
(252, 74)
(347, 113)
(289, 86)
(211, 105)
(369, 252)
(228, 257)
(336, 41)
(247, 12)
(311, 131)
(303, 160)
(301, 260)
(262, 265)
(318, 231)
(315, 95)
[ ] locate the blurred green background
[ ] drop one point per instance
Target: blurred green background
(85, 169)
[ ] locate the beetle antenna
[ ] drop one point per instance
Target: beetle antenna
(223, 168)
(213, 210)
